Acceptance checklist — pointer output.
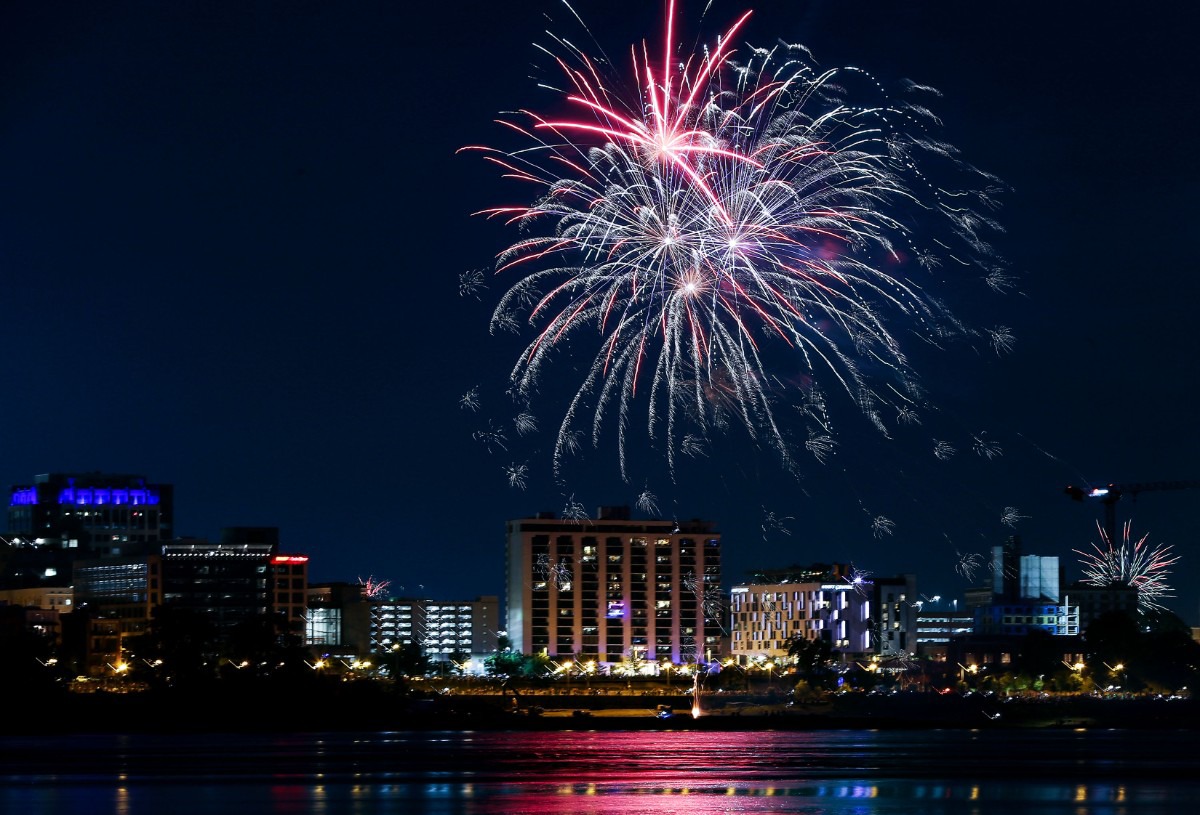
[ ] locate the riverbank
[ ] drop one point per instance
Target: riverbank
(257, 712)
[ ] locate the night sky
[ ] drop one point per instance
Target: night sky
(232, 235)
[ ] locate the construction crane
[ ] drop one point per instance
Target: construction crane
(1110, 495)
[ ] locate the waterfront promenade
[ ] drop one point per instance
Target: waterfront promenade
(263, 710)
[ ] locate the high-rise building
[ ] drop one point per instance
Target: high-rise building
(614, 589)
(228, 583)
(107, 513)
(1017, 576)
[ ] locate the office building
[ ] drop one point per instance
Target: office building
(228, 583)
(441, 631)
(765, 619)
(1096, 601)
(895, 615)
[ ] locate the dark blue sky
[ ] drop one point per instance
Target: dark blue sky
(232, 233)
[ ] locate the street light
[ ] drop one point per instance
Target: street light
(1116, 670)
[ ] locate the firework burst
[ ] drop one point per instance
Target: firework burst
(860, 579)
(968, 564)
(721, 225)
(647, 502)
(1141, 567)
(373, 589)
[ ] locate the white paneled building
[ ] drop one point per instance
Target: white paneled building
(764, 617)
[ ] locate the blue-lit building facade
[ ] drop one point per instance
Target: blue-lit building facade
(106, 513)
(1026, 597)
(1026, 594)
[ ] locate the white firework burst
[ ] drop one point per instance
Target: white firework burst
(470, 399)
(574, 511)
(492, 438)
(1011, 515)
(942, 450)
(525, 423)
(881, 526)
(647, 503)
(1002, 339)
(518, 475)
(985, 447)
(968, 564)
(471, 283)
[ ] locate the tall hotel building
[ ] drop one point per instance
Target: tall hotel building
(614, 589)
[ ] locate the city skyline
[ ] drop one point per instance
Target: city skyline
(234, 242)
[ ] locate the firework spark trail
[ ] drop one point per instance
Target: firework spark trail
(711, 599)
(719, 215)
(1136, 565)
(772, 522)
(556, 574)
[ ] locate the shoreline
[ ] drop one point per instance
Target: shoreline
(181, 713)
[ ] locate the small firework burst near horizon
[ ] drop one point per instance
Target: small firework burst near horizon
(1137, 565)
(713, 227)
(373, 589)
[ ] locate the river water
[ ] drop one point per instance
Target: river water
(837, 772)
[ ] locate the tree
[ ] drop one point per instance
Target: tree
(1038, 655)
(1154, 649)
(1169, 658)
(183, 639)
(813, 658)
(504, 663)
(404, 660)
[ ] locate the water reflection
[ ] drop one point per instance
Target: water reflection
(606, 773)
